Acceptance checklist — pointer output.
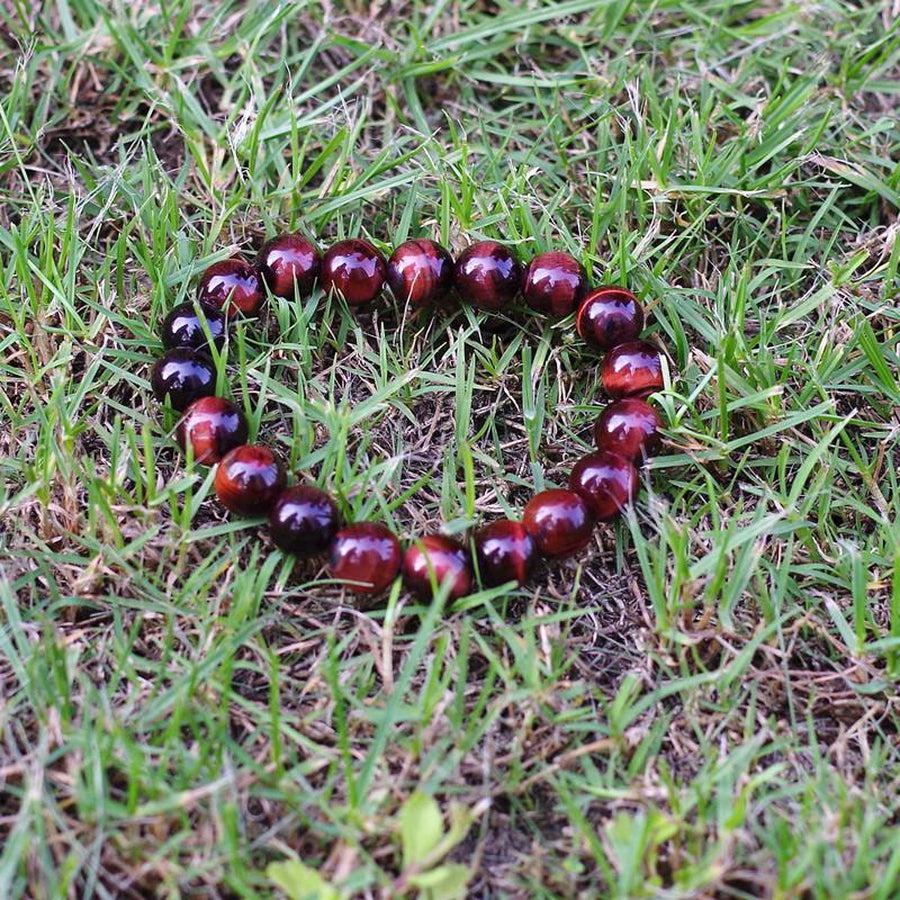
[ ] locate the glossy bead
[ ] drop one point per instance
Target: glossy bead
(559, 522)
(211, 427)
(355, 270)
(303, 520)
(289, 265)
(488, 275)
(606, 481)
(249, 479)
(420, 272)
(232, 284)
(433, 560)
(183, 327)
(365, 557)
(629, 427)
(632, 370)
(554, 283)
(505, 552)
(608, 316)
(184, 375)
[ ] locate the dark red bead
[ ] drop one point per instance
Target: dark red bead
(554, 283)
(630, 427)
(608, 316)
(434, 559)
(355, 270)
(606, 481)
(505, 552)
(420, 272)
(559, 521)
(184, 375)
(365, 557)
(183, 327)
(211, 427)
(289, 265)
(303, 520)
(488, 275)
(632, 370)
(232, 284)
(249, 479)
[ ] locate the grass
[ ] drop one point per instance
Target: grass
(703, 705)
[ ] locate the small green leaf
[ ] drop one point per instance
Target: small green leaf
(443, 883)
(421, 827)
(300, 882)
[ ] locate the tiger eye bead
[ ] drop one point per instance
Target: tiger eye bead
(608, 316)
(554, 283)
(232, 285)
(183, 327)
(420, 272)
(559, 522)
(505, 552)
(606, 481)
(355, 270)
(433, 560)
(249, 479)
(365, 557)
(488, 275)
(289, 265)
(211, 427)
(633, 369)
(303, 520)
(184, 375)
(629, 427)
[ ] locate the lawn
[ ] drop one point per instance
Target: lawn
(703, 704)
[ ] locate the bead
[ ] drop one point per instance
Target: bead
(365, 557)
(554, 283)
(303, 520)
(606, 481)
(559, 522)
(434, 559)
(505, 552)
(289, 265)
(183, 327)
(632, 369)
(232, 284)
(355, 270)
(420, 272)
(629, 427)
(211, 427)
(488, 275)
(184, 375)
(249, 479)
(608, 316)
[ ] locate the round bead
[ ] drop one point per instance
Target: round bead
(632, 369)
(488, 275)
(184, 375)
(505, 552)
(606, 481)
(249, 479)
(365, 557)
(355, 270)
(608, 316)
(420, 272)
(559, 522)
(303, 520)
(629, 427)
(183, 327)
(232, 284)
(289, 265)
(434, 559)
(554, 283)
(211, 427)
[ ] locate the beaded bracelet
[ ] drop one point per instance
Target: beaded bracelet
(366, 557)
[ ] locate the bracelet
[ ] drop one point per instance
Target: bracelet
(366, 557)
